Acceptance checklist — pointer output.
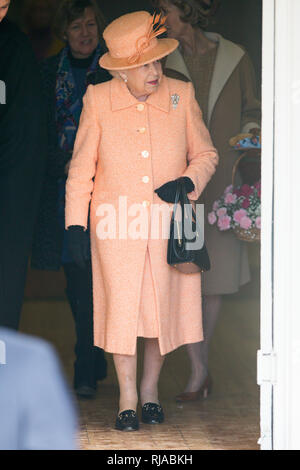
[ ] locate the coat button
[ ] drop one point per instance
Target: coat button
(142, 130)
(146, 203)
(145, 179)
(140, 107)
(145, 154)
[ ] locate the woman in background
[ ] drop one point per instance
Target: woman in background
(65, 79)
(224, 81)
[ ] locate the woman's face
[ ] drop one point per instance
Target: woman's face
(4, 5)
(82, 35)
(175, 26)
(144, 80)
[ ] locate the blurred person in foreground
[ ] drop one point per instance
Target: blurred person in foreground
(225, 85)
(65, 79)
(36, 408)
(22, 162)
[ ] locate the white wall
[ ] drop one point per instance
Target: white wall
(287, 224)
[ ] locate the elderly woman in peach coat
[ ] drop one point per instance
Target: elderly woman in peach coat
(138, 134)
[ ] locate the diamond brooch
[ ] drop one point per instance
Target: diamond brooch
(175, 100)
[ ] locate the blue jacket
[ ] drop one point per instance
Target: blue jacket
(36, 409)
(48, 243)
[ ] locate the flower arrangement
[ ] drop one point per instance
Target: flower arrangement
(239, 209)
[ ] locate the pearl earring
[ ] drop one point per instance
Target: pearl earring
(126, 80)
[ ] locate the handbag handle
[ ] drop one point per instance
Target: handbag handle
(182, 194)
(252, 153)
(180, 190)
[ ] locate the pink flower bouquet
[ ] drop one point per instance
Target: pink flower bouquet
(239, 209)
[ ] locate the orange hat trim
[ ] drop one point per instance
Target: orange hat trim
(156, 27)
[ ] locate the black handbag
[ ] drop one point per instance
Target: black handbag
(181, 254)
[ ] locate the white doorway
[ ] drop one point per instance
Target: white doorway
(279, 359)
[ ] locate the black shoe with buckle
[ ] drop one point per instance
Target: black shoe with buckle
(152, 413)
(127, 421)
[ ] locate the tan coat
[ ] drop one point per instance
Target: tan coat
(232, 108)
(115, 131)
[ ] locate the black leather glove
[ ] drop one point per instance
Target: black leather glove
(167, 191)
(78, 244)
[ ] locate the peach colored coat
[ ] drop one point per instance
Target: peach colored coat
(109, 161)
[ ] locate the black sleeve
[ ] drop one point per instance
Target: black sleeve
(21, 117)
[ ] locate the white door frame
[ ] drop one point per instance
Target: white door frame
(279, 370)
(265, 355)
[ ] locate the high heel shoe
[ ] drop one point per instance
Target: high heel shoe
(202, 393)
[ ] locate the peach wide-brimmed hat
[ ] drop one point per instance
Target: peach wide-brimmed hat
(132, 41)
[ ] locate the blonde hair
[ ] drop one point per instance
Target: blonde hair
(194, 12)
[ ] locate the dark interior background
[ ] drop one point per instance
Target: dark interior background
(237, 20)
